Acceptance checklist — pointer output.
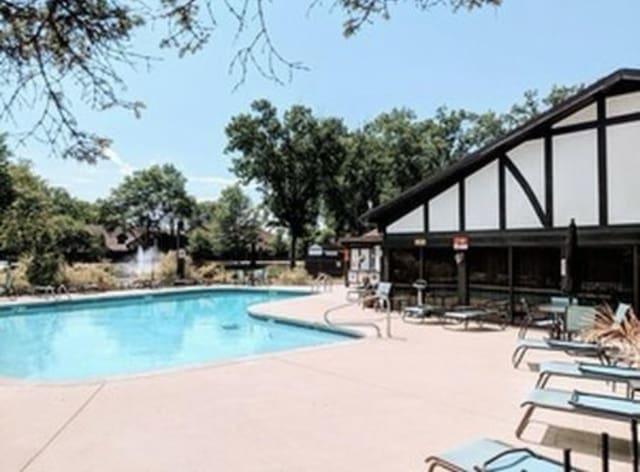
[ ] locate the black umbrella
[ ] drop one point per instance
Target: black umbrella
(569, 278)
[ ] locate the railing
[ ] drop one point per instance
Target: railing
(322, 283)
(364, 324)
(62, 290)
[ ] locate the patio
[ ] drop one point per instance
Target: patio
(375, 405)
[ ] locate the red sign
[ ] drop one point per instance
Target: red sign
(460, 243)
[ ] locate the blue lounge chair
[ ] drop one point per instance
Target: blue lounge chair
(487, 455)
(574, 348)
(601, 406)
(588, 371)
(578, 318)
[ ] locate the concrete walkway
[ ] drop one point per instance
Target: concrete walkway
(371, 404)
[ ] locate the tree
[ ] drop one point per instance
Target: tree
(234, 226)
(52, 51)
(7, 191)
(74, 240)
(288, 159)
(200, 244)
(152, 199)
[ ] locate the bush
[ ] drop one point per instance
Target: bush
(45, 269)
(282, 275)
(200, 245)
(19, 276)
(98, 275)
(166, 270)
(211, 273)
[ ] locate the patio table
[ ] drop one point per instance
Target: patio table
(558, 312)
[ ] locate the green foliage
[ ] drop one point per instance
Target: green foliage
(75, 240)
(45, 265)
(200, 245)
(234, 226)
(288, 159)
(278, 244)
(151, 199)
(41, 212)
(7, 190)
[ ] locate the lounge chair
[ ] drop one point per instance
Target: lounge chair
(356, 293)
(589, 371)
(479, 314)
(490, 455)
(381, 298)
(601, 406)
(535, 319)
(578, 318)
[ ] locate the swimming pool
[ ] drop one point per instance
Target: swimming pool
(111, 337)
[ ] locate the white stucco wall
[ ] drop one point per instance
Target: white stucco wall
(412, 222)
(623, 104)
(623, 172)
(584, 115)
(444, 211)
(575, 178)
(482, 199)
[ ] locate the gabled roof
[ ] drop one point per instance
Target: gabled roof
(621, 81)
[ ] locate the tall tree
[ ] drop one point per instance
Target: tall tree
(7, 191)
(53, 51)
(288, 159)
(234, 226)
(152, 200)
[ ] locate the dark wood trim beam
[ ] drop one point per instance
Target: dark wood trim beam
(426, 216)
(461, 205)
(502, 194)
(548, 179)
(614, 120)
(602, 163)
(636, 278)
(524, 184)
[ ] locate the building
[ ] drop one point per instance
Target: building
(494, 223)
(363, 257)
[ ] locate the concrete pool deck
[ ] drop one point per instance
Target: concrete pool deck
(370, 404)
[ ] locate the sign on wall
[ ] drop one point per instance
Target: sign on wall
(420, 242)
(460, 243)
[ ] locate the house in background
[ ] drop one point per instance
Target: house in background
(362, 257)
(494, 223)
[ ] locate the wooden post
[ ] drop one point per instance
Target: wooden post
(463, 277)
(636, 278)
(511, 281)
(385, 264)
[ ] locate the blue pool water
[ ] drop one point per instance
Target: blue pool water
(96, 339)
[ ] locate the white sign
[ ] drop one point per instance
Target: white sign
(460, 243)
(315, 250)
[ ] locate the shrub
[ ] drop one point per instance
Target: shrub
(44, 268)
(282, 275)
(200, 245)
(92, 275)
(19, 276)
(211, 273)
(166, 269)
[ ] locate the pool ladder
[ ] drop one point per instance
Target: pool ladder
(365, 324)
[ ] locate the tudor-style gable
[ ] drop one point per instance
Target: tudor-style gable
(577, 161)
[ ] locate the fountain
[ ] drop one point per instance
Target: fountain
(146, 260)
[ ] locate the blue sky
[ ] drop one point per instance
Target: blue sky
(481, 60)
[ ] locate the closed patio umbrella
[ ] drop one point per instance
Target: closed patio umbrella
(570, 283)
